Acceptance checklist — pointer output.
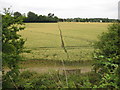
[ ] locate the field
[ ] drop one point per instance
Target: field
(43, 40)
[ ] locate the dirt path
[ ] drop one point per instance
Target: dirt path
(50, 66)
(47, 69)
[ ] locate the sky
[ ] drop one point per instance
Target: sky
(65, 8)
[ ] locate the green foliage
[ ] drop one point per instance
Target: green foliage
(17, 14)
(27, 74)
(12, 47)
(87, 20)
(54, 80)
(32, 17)
(107, 57)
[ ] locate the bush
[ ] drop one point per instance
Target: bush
(12, 47)
(54, 80)
(107, 57)
(27, 74)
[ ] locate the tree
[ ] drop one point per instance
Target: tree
(12, 48)
(17, 14)
(56, 19)
(32, 17)
(107, 57)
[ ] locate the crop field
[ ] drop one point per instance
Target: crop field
(44, 41)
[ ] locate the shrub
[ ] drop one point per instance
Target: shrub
(12, 46)
(27, 74)
(107, 57)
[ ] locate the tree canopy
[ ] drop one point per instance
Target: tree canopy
(33, 17)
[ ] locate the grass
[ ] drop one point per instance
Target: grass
(45, 66)
(54, 80)
(43, 40)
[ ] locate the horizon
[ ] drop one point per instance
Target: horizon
(65, 9)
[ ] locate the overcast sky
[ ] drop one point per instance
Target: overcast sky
(66, 8)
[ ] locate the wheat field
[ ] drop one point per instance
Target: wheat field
(44, 41)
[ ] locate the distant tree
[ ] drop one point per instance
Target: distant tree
(56, 18)
(32, 17)
(17, 14)
(44, 18)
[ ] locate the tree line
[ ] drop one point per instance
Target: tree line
(89, 20)
(35, 18)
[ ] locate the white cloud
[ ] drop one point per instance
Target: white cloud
(65, 8)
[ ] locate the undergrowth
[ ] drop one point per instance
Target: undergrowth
(33, 80)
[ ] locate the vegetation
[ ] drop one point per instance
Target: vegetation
(46, 44)
(45, 38)
(106, 66)
(88, 20)
(35, 18)
(11, 49)
(55, 80)
(107, 57)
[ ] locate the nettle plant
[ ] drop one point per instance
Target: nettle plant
(12, 47)
(107, 57)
